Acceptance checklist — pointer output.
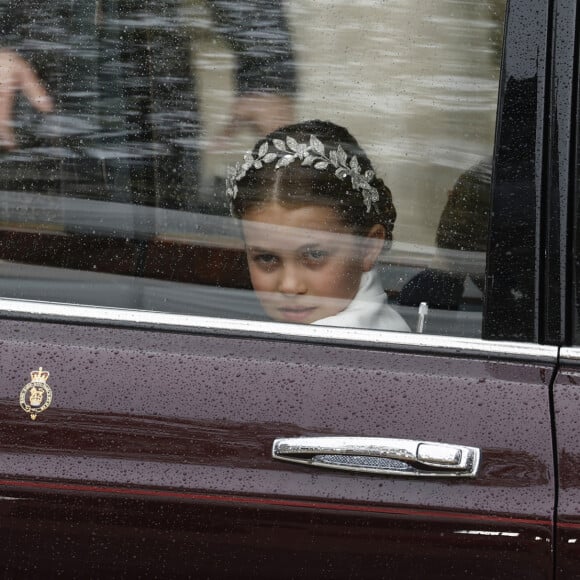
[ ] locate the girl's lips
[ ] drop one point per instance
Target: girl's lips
(296, 314)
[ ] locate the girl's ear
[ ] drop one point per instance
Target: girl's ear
(372, 246)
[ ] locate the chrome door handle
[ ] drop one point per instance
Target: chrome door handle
(380, 455)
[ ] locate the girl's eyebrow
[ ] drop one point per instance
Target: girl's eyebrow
(309, 246)
(259, 250)
(302, 248)
(306, 246)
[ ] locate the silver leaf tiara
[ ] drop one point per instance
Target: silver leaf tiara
(311, 154)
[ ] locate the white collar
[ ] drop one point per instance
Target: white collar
(368, 309)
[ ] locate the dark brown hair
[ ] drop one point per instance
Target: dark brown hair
(297, 185)
(464, 221)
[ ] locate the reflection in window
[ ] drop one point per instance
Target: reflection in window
(126, 113)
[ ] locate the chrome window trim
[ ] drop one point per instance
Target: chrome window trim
(400, 341)
(570, 355)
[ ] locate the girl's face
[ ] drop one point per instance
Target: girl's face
(305, 264)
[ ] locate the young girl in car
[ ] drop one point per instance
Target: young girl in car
(315, 218)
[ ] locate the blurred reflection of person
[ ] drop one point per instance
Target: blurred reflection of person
(108, 104)
(463, 227)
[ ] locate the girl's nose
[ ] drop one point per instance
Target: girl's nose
(291, 282)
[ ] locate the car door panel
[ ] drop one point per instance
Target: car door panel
(566, 412)
(157, 446)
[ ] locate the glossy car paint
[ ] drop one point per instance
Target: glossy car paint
(566, 413)
(512, 310)
(556, 273)
(155, 458)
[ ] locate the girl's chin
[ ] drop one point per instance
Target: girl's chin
(297, 315)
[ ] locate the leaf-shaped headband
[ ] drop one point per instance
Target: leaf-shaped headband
(311, 154)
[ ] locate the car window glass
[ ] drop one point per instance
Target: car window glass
(119, 120)
(576, 267)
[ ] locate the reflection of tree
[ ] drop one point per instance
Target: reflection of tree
(513, 468)
(569, 466)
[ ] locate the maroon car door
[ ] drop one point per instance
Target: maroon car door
(566, 409)
(155, 454)
(153, 423)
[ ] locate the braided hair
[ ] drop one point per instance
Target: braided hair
(296, 184)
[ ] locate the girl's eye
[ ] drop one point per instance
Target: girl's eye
(315, 255)
(265, 260)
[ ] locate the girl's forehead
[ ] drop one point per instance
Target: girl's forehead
(289, 227)
(312, 217)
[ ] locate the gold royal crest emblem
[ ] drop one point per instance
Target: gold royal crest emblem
(36, 396)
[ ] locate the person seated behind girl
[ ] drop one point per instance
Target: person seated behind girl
(462, 230)
(315, 218)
